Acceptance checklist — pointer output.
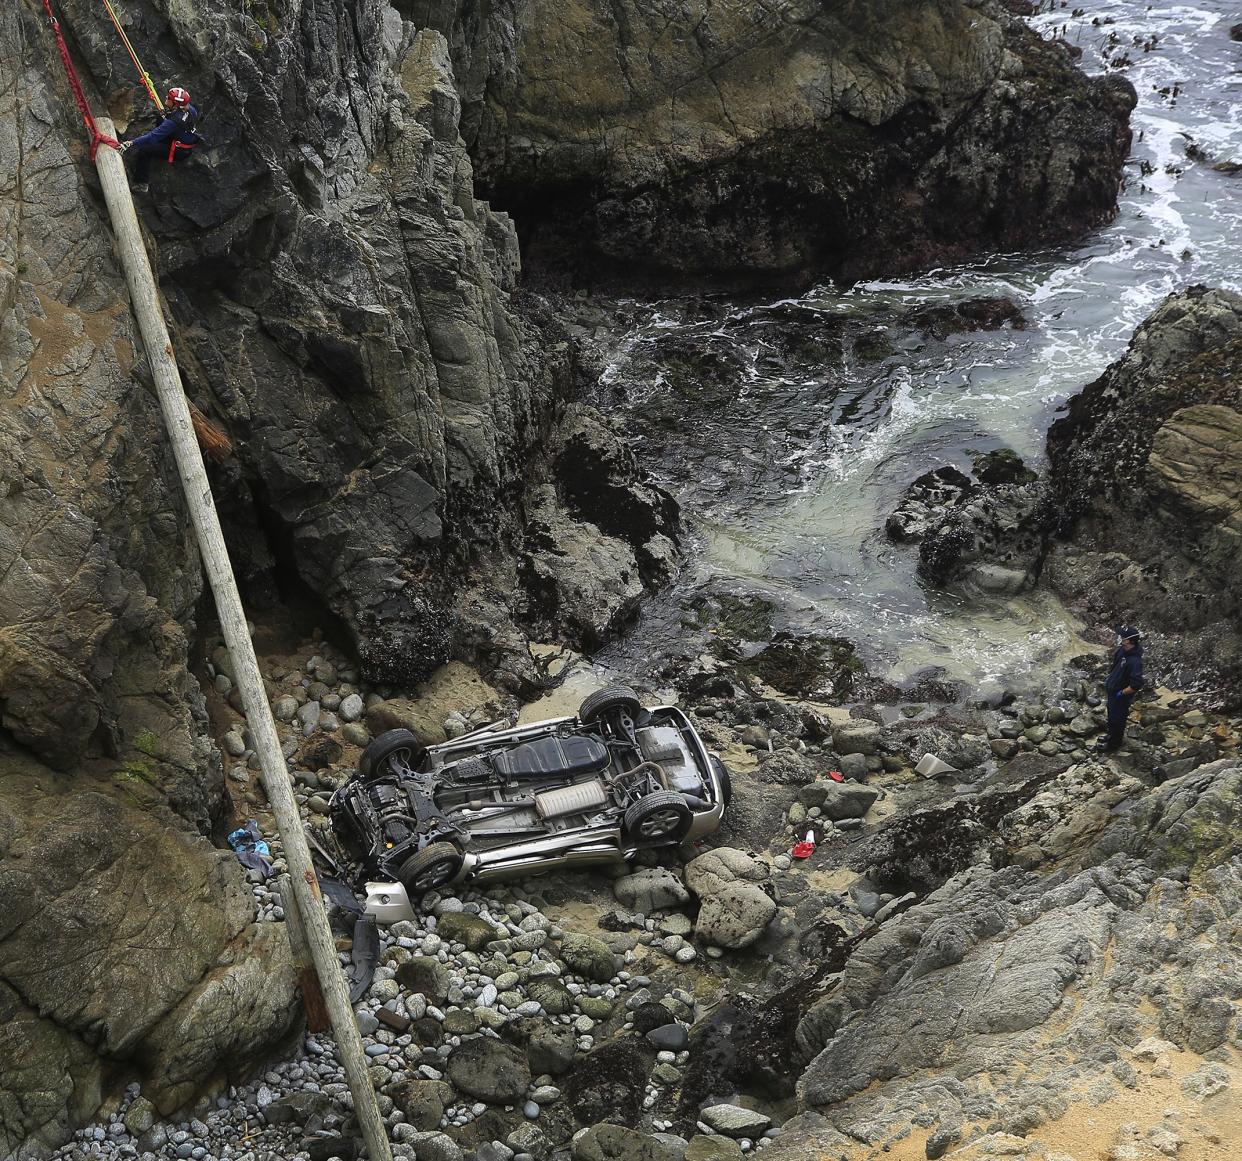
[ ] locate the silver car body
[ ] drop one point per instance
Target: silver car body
(589, 832)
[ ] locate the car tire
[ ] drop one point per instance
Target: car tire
(432, 867)
(597, 706)
(726, 780)
(375, 759)
(660, 817)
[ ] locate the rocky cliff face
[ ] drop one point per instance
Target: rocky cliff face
(406, 447)
(1138, 518)
(704, 139)
(118, 923)
(344, 307)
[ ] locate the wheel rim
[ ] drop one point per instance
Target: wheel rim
(435, 876)
(660, 822)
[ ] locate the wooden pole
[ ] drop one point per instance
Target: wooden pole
(146, 305)
(308, 981)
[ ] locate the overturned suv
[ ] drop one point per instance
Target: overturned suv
(595, 788)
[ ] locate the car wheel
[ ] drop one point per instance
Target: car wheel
(393, 746)
(726, 782)
(659, 817)
(597, 706)
(430, 868)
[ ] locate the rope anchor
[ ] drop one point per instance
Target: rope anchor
(88, 118)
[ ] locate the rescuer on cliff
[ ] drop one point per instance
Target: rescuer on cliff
(174, 134)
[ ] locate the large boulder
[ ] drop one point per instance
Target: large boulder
(705, 1148)
(550, 1049)
(425, 976)
(470, 930)
(857, 737)
(609, 1082)
(847, 800)
(734, 910)
(125, 943)
(925, 501)
(735, 916)
(489, 1070)
(588, 957)
(422, 1102)
(799, 140)
(735, 1121)
(721, 866)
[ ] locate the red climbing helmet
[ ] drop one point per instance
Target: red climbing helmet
(178, 97)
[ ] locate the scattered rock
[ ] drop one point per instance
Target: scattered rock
(422, 1101)
(588, 957)
(1206, 1082)
(735, 1121)
(651, 889)
(465, 928)
(616, 1143)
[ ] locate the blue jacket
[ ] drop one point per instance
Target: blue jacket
(1127, 670)
(176, 123)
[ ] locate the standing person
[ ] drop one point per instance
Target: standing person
(1124, 681)
(175, 131)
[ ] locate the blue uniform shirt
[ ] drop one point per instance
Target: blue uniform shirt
(1127, 670)
(176, 123)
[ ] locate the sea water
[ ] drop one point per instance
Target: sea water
(789, 429)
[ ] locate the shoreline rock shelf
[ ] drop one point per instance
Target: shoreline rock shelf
(486, 1015)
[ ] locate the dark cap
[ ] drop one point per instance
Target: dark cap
(1128, 633)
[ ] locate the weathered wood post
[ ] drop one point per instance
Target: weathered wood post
(305, 886)
(312, 994)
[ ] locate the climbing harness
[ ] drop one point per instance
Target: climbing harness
(143, 75)
(75, 85)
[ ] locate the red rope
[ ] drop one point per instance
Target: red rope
(88, 119)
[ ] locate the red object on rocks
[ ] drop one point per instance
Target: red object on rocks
(836, 775)
(803, 849)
